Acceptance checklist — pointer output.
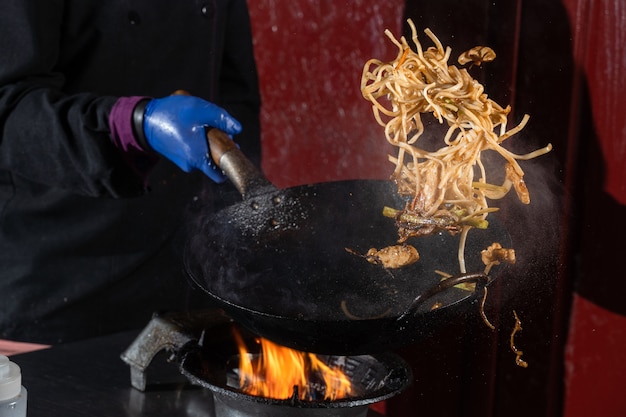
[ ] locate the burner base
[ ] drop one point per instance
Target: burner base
(227, 406)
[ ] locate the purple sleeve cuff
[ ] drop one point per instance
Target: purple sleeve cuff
(121, 125)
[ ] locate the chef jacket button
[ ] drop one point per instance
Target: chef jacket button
(133, 18)
(207, 10)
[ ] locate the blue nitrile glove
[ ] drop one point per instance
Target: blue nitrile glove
(174, 126)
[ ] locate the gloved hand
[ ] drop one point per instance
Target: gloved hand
(174, 126)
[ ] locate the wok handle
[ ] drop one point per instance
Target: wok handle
(244, 175)
(478, 278)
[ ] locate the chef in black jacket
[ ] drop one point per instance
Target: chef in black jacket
(100, 166)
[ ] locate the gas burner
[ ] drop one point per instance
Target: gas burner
(203, 346)
(374, 378)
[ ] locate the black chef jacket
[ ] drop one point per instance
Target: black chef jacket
(85, 249)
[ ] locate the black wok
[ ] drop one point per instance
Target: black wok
(277, 264)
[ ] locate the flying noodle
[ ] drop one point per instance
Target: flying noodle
(450, 182)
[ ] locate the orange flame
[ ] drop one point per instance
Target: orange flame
(278, 371)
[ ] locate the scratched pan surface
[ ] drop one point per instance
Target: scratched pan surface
(277, 263)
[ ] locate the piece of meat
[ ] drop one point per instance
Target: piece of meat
(395, 256)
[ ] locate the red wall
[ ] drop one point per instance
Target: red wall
(599, 28)
(316, 126)
(596, 371)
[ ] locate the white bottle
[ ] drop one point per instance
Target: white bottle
(12, 393)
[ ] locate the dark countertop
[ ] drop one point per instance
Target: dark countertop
(88, 378)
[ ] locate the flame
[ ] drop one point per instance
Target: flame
(280, 373)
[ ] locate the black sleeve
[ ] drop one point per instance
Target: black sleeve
(238, 82)
(47, 136)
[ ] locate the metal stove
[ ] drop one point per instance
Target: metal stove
(201, 343)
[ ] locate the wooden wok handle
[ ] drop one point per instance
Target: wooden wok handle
(244, 175)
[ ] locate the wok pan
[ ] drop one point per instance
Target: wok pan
(277, 263)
